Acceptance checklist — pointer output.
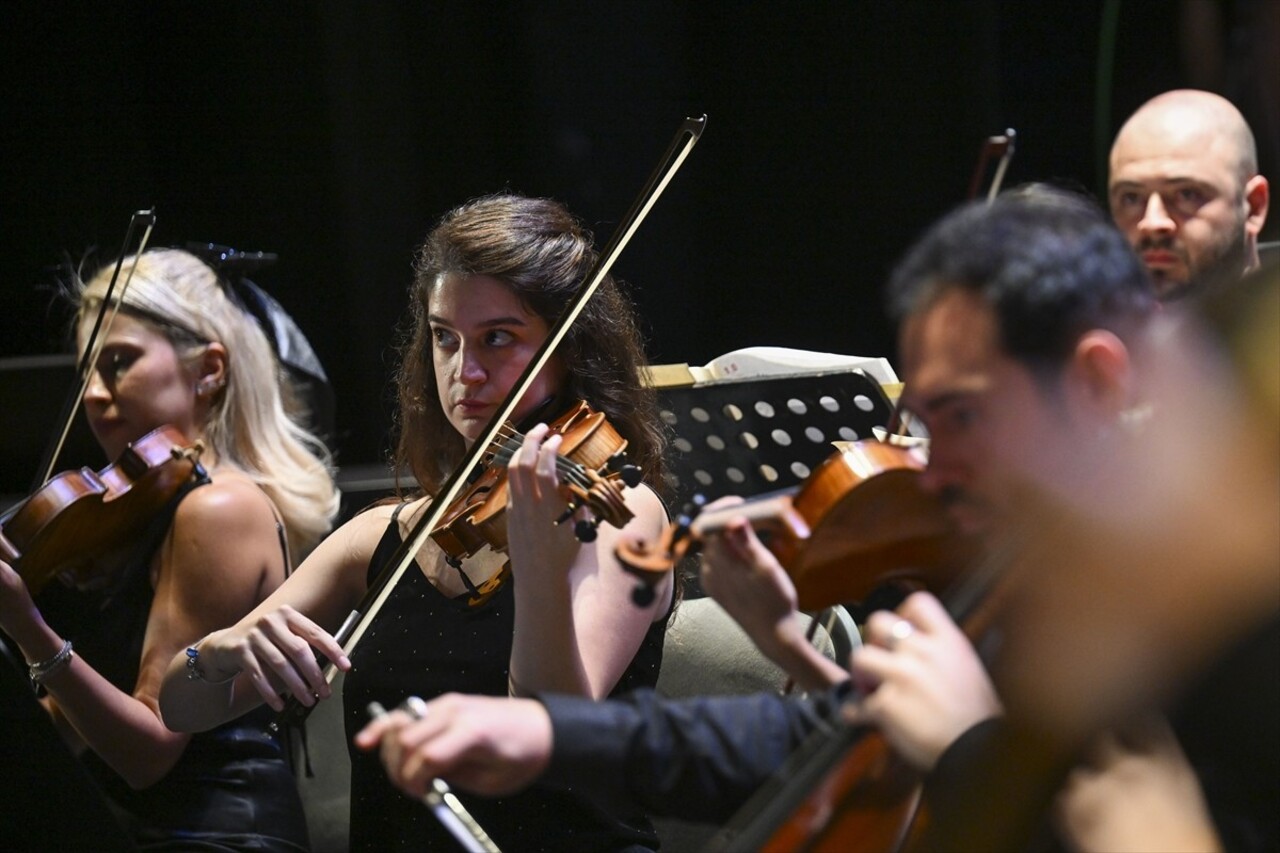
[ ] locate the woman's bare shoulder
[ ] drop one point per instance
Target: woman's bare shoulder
(359, 536)
(647, 503)
(230, 504)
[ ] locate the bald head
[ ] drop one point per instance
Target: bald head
(1184, 188)
(1186, 117)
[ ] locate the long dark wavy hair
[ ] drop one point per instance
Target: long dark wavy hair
(539, 250)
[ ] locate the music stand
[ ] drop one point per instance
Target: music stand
(749, 437)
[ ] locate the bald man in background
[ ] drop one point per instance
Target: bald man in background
(1184, 188)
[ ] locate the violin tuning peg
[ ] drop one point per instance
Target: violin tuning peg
(630, 474)
(585, 530)
(643, 595)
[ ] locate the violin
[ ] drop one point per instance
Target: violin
(79, 519)
(589, 465)
(859, 522)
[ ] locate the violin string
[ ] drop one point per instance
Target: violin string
(571, 472)
(510, 438)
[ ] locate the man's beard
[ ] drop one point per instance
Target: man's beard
(1221, 265)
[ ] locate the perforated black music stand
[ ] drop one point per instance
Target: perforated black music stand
(754, 436)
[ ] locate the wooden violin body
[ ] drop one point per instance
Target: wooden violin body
(849, 790)
(858, 522)
(78, 518)
(591, 471)
(853, 792)
(863, 509)
(857, 796)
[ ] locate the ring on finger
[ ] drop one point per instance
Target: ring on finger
(899, 632)
(415, 707)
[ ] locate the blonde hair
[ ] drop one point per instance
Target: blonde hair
(248, 424)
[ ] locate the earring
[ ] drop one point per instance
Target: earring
(1135, 418)
(206, 387)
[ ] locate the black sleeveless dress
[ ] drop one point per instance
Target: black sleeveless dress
(232, 789)
(424, 643)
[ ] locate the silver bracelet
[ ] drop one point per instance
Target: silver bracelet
(194, 673)
(38, 672)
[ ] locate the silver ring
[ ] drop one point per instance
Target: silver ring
(415, 707)
(899, 632)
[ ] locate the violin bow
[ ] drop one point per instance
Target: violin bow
(93, 347)
(1001, 146)
(358, 621)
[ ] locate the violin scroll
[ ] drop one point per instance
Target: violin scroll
(651, 564)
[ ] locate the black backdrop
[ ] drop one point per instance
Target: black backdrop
(334, 133)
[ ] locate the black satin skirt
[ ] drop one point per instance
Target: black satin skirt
(250, 804)
(231, 790)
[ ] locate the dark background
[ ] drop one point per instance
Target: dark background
(335, 133)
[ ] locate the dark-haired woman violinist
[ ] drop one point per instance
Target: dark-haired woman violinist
(490, 281)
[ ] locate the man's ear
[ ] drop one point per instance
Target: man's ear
(1257, 196)
(1100, 376)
